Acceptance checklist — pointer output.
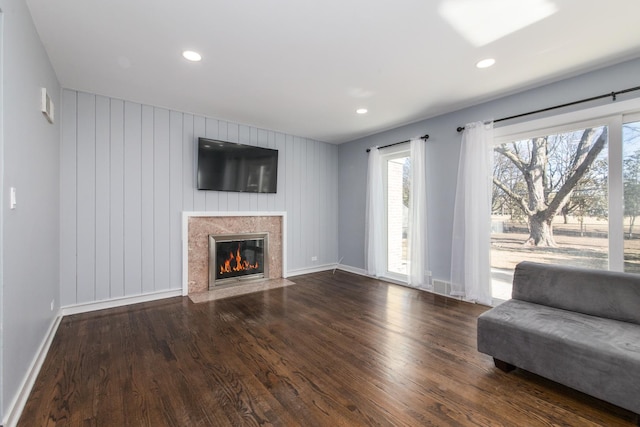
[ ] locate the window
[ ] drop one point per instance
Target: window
(550, 202)
(596, 223)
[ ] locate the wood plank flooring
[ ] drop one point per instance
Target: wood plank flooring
(332, 350)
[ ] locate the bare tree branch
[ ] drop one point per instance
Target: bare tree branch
(515, 159)
(520, 201)
(565, 191)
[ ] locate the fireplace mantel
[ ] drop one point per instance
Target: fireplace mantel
(188, 215)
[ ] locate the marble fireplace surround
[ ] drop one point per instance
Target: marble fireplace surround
(197, 226)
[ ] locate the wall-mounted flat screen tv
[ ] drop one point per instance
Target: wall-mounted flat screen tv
(226, 166)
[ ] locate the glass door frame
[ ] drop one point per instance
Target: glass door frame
(387, 154)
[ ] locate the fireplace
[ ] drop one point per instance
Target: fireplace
(198, 226)
(235, 258)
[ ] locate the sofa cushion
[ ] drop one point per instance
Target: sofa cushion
(597, 356)
(609, 294)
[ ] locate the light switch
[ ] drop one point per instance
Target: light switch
(12, 197)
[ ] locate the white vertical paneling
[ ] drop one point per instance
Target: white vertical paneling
(129, 170)
(309, 192)
(301, 205)
(316, 194)
(304, 212)
(147, 224)
(116, 217)
(103, 198)
(321, 200)
(175, 197)
(68, 198)
(132, 197)
(199, 197)
(189, 183)
(161, 199)
(86, 211)
(292, 200)
(333, 201)
(326, 175)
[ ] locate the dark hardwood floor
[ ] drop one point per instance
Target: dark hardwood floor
(332, 350)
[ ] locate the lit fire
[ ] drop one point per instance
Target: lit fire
(235, 263)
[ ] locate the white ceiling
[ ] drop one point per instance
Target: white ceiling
(304, 66)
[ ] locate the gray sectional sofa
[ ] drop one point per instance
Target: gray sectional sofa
(576, 326)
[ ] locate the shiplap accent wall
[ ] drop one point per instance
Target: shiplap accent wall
(128, 172)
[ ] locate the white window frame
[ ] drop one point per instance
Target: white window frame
(613, 115)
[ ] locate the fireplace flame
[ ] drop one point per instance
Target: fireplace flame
(235, 263)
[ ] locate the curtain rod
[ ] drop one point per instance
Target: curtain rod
(613, 95)
(424, 138)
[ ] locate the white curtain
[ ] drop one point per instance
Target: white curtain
(471, 245)
(374, 228)
(417, 227)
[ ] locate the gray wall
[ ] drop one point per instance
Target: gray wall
(30, 240)
(128, 171)
(443, 149)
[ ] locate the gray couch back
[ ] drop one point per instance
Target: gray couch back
(608, 294)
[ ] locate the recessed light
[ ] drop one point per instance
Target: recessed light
(486, 63)
(191, 55)
(362, 111)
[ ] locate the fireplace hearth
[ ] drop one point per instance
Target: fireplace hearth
(237, 258)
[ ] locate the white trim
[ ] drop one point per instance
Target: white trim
(504, 133)
(185, 238)
(387, 279)
(118, 302)
(14, 410)
(364, 273)
(310, 270)
(353, 270)
(631, 117)
(615, 194)
(235, 213)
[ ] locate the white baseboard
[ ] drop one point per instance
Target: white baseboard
(440, 287)
(353, 270)
(118, 302)
(317, 269)
(15, 408)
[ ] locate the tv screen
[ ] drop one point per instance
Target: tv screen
(226, 166)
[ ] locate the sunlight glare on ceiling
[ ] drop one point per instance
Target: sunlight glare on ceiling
(482, 22)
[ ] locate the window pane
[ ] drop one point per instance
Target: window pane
(631, 182)
(397, 214)
(549, 203)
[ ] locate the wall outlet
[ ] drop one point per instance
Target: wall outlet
(53, 303)
(314, 258)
